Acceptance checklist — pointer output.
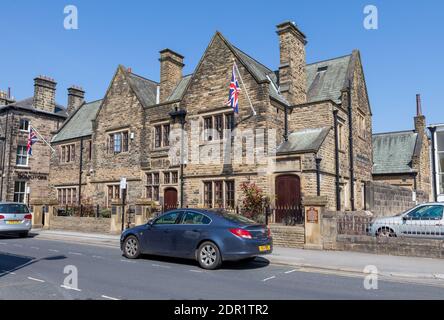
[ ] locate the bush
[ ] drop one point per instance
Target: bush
(254, 201)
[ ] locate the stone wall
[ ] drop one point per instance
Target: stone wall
(288, 237)
(412, 247)
(385, 200)
(90, 225)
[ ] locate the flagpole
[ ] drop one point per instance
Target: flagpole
(243, 84)
(41, 137)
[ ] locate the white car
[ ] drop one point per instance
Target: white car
(15, 218)
(423, 221)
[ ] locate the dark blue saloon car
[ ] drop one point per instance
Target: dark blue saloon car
(208, 236)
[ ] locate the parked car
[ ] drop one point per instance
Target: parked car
(424, 221)
(15, 218)
(208, 236)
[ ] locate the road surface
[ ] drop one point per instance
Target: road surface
(45, 269)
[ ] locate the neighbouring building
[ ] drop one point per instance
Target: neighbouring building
(319, 114)
(20, 172)
(403, 158)
(437, 156)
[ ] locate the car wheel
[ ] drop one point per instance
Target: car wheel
(131, 248)
(385, 233)
(208, 256)
(23, 234)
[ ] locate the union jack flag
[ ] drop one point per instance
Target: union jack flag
(233, 97)
(32, 138)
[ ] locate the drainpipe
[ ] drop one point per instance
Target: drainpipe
(80, 175)
(4, 154)
(435, 191)
(318, 176)
(350, 137)
(286, 124)
(338, 191)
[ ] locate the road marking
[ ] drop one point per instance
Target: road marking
(97, 257)
(269, 278)
(291, 271)
(109, 298)
(18, 245)
(128, 261)
(76, 253)
(3, 243)
(160, 266)
(53, 250)
(37, 280)
(70, 288)
(35, 248)
(197, 271)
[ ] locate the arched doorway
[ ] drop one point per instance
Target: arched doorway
(288, 199)
(170, 199)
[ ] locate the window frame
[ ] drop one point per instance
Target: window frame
(184, 213)
(27, 124)
(20, 193)
(119, 145)
(22, 156)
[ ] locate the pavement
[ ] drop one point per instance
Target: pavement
(52, 265)
(399, 267)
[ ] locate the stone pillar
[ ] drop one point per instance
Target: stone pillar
(52, 204)
(37, 213)
(314, 208)
(116, 216)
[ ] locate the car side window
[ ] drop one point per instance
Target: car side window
(417, 213)
(169, 218)
(195, 218)
(433, 213)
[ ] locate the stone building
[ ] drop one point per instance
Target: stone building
(403, 158)
(21, 172)
(314, 120)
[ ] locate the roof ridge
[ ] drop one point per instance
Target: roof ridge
(337, 58)
(393, 132)
(143, 78)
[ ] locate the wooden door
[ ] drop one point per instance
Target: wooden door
(170, 199)
(288, 199)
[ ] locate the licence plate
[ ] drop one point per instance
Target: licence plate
(13, 222)
(264, 248)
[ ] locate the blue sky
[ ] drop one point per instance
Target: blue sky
(403, 57)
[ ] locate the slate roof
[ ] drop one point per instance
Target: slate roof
(27, 104)
(326, 79)
(145, 89)
(79, 124)
(180, 88)
(304, 141)
(393, 152)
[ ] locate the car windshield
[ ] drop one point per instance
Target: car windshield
(13, 208)
(235, 217)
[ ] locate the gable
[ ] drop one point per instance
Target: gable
(208, 86)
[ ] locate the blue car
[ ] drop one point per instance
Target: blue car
(208, 236)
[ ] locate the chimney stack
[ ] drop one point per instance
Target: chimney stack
(292, 73)
(76, 97)
(171, 65)
(5, 97)
(44, 93)
(420, 120)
